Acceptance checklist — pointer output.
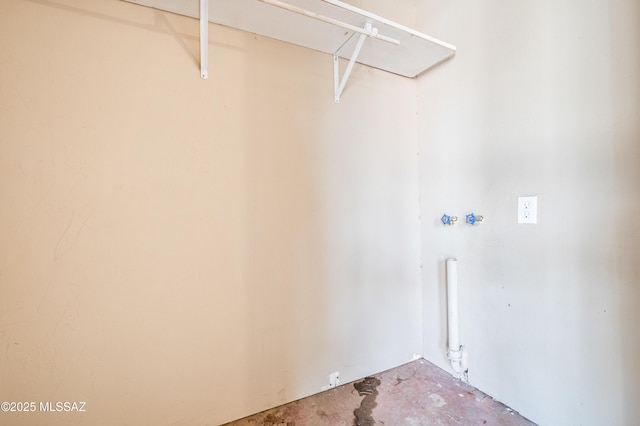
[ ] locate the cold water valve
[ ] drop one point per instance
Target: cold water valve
(472, 219)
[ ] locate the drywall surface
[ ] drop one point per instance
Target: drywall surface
(543, 98)
(180, 251)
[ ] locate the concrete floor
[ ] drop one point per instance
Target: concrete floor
(417, 393)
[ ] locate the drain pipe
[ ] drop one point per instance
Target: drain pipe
(456, 353)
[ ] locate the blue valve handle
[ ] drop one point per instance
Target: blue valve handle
(471, 219)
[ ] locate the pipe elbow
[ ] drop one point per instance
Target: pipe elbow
(458, 359)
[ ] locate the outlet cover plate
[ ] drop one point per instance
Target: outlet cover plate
(528, 210)
(334, 381)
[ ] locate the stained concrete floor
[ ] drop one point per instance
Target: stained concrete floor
(417, 393)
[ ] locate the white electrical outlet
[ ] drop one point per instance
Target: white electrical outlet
(334, 381)
(528, 210)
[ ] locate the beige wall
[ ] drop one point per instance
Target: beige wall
(180, 251)
(543, 98)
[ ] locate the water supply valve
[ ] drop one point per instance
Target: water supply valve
(472, 219)
(448, 220)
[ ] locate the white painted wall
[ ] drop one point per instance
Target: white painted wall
(543, 98)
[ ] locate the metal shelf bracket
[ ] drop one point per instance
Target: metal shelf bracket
(204, 39)
(367, 31)
(339, 84)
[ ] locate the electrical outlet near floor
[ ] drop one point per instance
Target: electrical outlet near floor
(528, 209)
(334, 381)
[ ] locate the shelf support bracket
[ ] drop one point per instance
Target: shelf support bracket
(338, 83)
(367, 31)
(204, 39)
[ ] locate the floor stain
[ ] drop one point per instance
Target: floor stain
(437, 400)
(273, 420)
(369, 389)
(399, 380)
(322, 415)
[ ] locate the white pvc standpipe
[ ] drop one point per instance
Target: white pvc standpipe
(452, 305)
(455, 352)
